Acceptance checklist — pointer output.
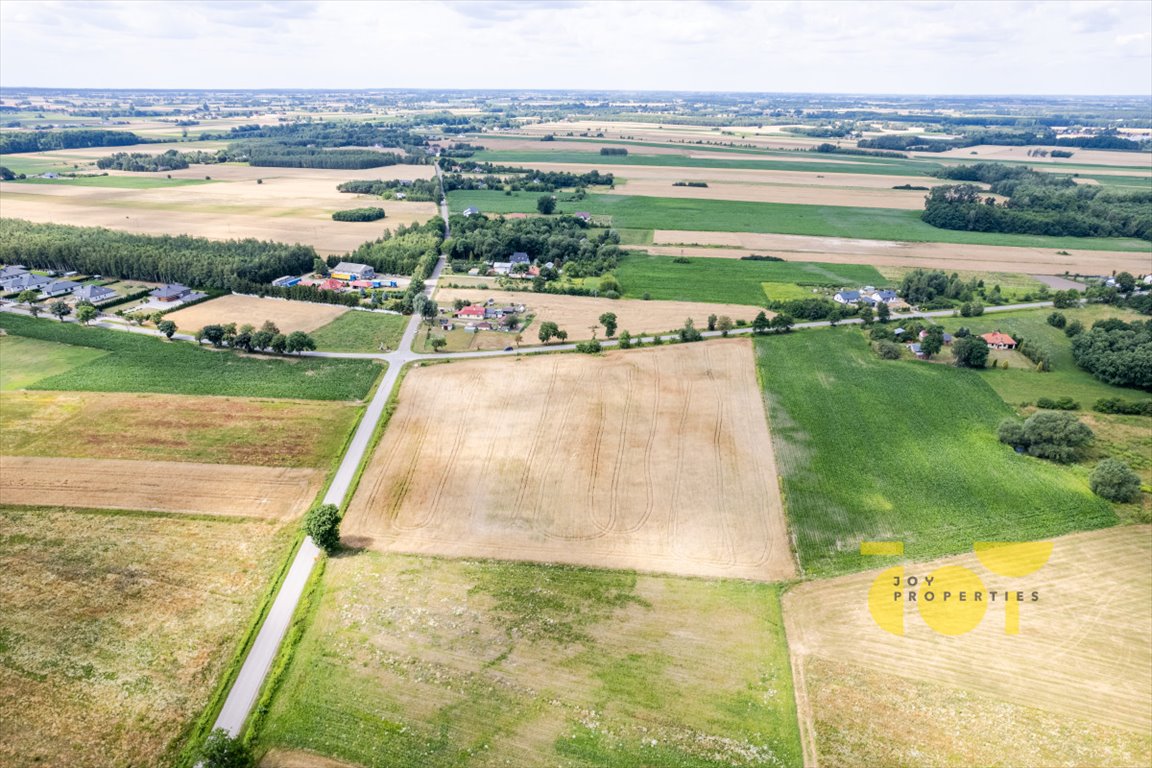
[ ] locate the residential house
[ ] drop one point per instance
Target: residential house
(886, 296)
(898, 332)
(916, 350)
(286, 282)
(502, 267)
(520, 258)
(94, 294)
(472, 312)
(58, 288)
(846, 297)
(26, 282)
(11, 273)
(347, 270)
(471, 211)
(999, 340)
(171, 292)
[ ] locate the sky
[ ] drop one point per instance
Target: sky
(1097, 47)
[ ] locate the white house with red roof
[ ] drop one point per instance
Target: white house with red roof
(997, 340)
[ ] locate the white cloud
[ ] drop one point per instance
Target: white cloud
(888, 47)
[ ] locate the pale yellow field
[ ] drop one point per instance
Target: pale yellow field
(159, 486)
(1083, 651)
(978, 258)
(288, 316)
(577, 314)
(764, 193)
(291, 205)
(656, 459)
(1131, 161)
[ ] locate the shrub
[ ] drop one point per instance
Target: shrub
(1074, 328)
(322, 523)
(970, 352)
(1063, 404)
(1122, 406)
(1059, 437)
(1112, 479)
(591, 347)
(1057, 320)
(222, 751)
(359, 214)
(888, 350)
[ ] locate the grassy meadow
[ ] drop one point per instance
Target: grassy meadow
(136, 363)
(634, 212)
(27, 360)
(732, 281)
(889, 450)
(360, 332)
(116, 182)
(408, 660)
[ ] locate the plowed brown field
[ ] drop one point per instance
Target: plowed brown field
(657, 460)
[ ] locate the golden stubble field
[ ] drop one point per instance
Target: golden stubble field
(288, 315)
(888, 253)
(276, 493)
(577, 314)
(117, 627)
(656, 459)
(1074, 687)
(291, 205)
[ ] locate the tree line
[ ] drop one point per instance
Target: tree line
(359, 214)
(81, 138)
(143, 162)
(1104, 139)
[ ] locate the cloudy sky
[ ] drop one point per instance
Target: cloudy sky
(1062, 47)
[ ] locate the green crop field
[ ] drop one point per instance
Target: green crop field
(870, 449)
(147, 364)
(115, 182)
(360, 332)
(790, 291)
(407, 661)
(635, 212)
(26, 361)
(731, 281)
(1021, 382)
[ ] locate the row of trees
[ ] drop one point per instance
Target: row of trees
(1104, 139)
(212, 264)
(419, 190)
(359, 214)
(250, 339)
(143, 162)
(12, 142)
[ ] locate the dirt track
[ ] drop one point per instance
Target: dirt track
(657, 460)
(159, 486)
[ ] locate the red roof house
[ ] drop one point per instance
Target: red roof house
(332, 285)
(999, 340)
(471, 311)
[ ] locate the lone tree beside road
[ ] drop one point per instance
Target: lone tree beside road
(322, 523)
(608, 320)
(166, 327)
(548, 330)
(222, 751)
(60, 309)
(86, 313)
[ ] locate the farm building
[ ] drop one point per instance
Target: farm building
(999, 340)
(59, 288)
(171, 292)
(347, 270)
(332, 285)
(917, 350)
(94, 294)
(286, 281)
(471, 211)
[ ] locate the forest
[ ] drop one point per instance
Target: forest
(193, 261)
(399, 252)
(1107, 139)
(1116, 352)
(143, 162)
(12, 142)
(562, 240)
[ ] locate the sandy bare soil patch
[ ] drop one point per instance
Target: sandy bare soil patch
(117, 628)
(1128, 160)
(159, 486)
(980, 258)
(577, 314)
(288, 315)
(1082, 652)
(657, 459)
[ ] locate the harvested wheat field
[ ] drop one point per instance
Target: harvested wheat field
(657, 459)
(1073, 687)
(150, 427)
(793, 194)
(159, 486)
(288, 315)
(577, 314)
(117, 627)
(889, 253)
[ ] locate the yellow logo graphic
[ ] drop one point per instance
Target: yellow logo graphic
(953, 599)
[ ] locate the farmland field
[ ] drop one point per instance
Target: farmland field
(361, 332)
(147, 364)
(26, 360)
(633, 212)
(148, 427)
(871, 449)
(159, 486)
(419, 661)
(577, 314)
(288, 316)
(117, 626)
(656, 459)
(729, 280)
(115, 182)
(1073, 687)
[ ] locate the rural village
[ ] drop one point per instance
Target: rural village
(371, 427)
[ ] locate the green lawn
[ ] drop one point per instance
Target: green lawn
(728, 281)
(147, 364)
(408, 661)
(1021, 382)
(357, 331)
(871, 450)
(790, 291)
(25, 361)
(636, 212)
(118, 182)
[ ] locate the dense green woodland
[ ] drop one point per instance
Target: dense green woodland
(167, 259)
(1107, 139)
(1038, 204)
(80, 138)
(1116, 352)
(326, 134)
(563, 240)
(143, 162)
(401, 251)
